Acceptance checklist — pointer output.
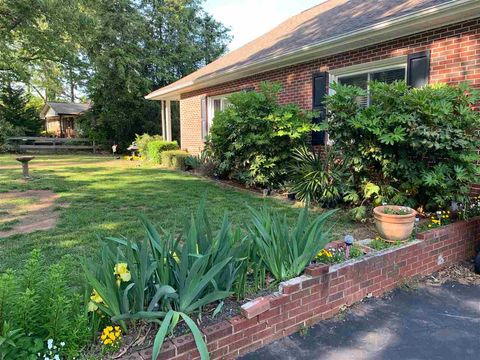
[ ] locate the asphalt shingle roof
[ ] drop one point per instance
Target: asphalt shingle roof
(326, 21)
(68, 108)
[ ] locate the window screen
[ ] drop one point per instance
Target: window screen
(389, 76)
(217, 105)
(361, 80)
(357, 80)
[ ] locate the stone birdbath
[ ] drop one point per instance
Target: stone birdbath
(24, 160)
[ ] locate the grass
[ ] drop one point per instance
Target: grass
(106, 196)
(7, 225)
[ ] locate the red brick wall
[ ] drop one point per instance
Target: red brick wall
(455, 57)
(306, 300)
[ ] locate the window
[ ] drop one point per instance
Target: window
(216, 104)
(362, 79)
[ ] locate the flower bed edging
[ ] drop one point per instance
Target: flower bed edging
(319, 295)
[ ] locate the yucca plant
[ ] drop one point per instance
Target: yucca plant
(286, 251)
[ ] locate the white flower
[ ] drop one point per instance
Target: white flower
(56, 357)
(49, 344)
(62, 344)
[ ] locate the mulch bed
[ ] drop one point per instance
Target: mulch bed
(462, 273)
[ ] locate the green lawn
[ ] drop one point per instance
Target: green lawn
(106, 196)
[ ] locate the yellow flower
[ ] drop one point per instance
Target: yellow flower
(121, 272)
(103, 337)
(117, 328)
(107, 342)
(325, 252)
(95, 297)
(111, 336)
(92, 306)
(109, 328)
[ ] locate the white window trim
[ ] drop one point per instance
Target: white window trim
(210, 100)
(399, 62)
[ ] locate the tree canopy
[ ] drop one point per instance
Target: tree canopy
(112, 52)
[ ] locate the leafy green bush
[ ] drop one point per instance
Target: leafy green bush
(414, 147)
(142, 143)
(14, 344)
(37, 304)
(317, 177)
(174, 159)
(253, 137)
(284, 251)
(156, 147)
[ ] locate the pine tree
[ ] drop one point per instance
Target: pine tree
(16, 111)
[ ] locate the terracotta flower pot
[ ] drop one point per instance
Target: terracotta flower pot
(394, 227)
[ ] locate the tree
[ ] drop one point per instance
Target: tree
(137, 47)
(115, 52)
(33, 32)
(17, 116)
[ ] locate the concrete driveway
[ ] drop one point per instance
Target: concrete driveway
(429, 323)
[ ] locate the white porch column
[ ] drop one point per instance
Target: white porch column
(168, 120)
(162, 119)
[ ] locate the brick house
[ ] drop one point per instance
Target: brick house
(348, 41)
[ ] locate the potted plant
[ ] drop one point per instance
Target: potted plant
(394, 223)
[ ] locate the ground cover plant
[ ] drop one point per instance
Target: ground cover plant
(414, 147)
(38, 307)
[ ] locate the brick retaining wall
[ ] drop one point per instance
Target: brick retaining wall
(319, 295)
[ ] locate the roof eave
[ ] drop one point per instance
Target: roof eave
(433, 17)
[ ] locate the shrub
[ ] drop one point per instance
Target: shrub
(317, 177)
(253, 137)
(156, 147)
(142, 143)
(204, 163)
(174, 159)
(415, 147)
(37, 304)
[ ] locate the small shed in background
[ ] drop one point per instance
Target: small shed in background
(59, 118)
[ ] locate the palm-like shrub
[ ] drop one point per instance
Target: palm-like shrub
(316, 177)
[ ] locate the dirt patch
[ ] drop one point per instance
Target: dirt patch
(462, 273)
(28, 211)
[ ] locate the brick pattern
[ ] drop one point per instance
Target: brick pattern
(322, 292)
(455, 57)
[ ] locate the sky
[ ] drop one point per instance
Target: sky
(248, 19)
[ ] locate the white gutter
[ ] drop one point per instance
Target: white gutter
(436, 16)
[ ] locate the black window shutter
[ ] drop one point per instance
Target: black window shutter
(203, 102)
(319, 91)
(418, 69)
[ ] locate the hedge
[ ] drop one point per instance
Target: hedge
(174, 159)
(157, 147)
